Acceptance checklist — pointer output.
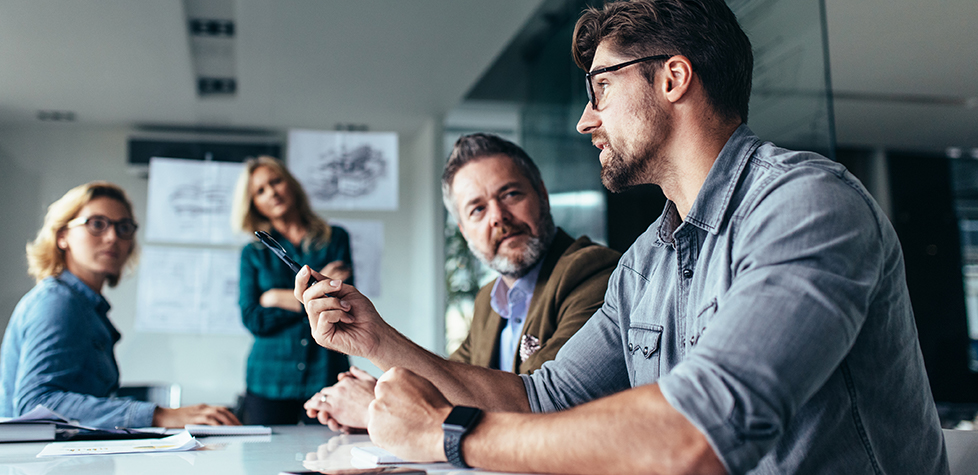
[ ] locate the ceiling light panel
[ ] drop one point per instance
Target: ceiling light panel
(211, 30)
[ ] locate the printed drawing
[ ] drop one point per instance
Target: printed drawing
(347, 174)
(345, 170)
(194, 199)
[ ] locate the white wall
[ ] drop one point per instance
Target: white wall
(38, 164)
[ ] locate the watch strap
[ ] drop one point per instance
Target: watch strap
(453, 448)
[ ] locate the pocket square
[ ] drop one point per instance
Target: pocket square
(529, 345)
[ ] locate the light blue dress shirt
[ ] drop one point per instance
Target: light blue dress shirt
(58, 352)
(512, 304)
(775, 318)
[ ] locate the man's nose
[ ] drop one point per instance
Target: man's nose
(498, 214)
(589, 120)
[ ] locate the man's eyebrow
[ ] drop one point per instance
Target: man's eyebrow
(509, 186)
(471, 202)
(595, 68)
(515, 184)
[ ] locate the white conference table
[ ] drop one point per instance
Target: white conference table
(289, 448)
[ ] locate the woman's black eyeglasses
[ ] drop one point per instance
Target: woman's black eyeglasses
(591, 96)
(96, 225)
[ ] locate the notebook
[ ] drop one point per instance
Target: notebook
(198, 430)
(27, 431)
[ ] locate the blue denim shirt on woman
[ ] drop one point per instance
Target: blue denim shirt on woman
(775, 318)
(58, 352)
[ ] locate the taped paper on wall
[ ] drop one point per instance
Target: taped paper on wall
(188, 290)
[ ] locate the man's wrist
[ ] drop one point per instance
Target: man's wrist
(460, 421)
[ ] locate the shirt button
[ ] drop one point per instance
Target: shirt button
(630, 348)
(303, 342)
(687, 273)
(300, 366)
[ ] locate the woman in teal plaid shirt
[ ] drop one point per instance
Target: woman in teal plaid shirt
(285, 365)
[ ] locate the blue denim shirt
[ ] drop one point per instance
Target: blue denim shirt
(58, 352)
(775, 318)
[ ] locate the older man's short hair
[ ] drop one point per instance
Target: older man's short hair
(472, 147)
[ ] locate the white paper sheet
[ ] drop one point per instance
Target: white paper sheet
(367, 241)
(346, 170)
(174, 443)
(190, 202)
(188, 290)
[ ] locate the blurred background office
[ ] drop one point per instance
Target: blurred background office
(88, 89)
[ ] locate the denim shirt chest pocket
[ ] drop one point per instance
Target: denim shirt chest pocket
(643, 350)
(700, 322)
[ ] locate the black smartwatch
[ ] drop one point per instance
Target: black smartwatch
(458, 423)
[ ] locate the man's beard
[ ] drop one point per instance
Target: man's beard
(617, 174)
(530, 255)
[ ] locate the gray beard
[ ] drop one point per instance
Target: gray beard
(535, 249)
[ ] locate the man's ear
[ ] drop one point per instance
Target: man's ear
(677, 75)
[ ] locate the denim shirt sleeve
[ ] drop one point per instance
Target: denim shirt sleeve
(590, 365)
(60, 357)
(805, 263)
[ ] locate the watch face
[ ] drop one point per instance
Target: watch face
(461, 418)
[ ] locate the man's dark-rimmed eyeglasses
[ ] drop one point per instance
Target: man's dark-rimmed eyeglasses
(97, 225)
(591, 96)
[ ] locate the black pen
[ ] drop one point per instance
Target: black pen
(279, 251)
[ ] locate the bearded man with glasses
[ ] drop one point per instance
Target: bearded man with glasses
(761, 325)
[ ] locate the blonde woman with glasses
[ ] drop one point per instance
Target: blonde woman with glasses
(58, 347)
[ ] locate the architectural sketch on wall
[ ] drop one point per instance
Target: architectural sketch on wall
(346, 170)
(190, 202)
(188, 290)
(367, 245)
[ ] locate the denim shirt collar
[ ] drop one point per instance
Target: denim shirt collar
(99, 304)
(713, 199)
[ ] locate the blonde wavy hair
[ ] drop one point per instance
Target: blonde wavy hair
(247, 218)
(44, 257)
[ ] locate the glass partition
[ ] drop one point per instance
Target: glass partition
(537, 78)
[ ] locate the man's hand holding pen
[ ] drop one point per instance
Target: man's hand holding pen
(340, 317)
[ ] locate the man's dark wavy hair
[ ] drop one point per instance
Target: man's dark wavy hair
(705, 31)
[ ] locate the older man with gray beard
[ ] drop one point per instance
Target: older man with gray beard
(549, 284)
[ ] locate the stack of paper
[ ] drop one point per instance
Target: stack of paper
(174, 443)
(367, 455)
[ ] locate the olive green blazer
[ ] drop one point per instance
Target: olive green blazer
(569, 289)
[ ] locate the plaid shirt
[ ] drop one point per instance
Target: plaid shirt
(285, 362)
